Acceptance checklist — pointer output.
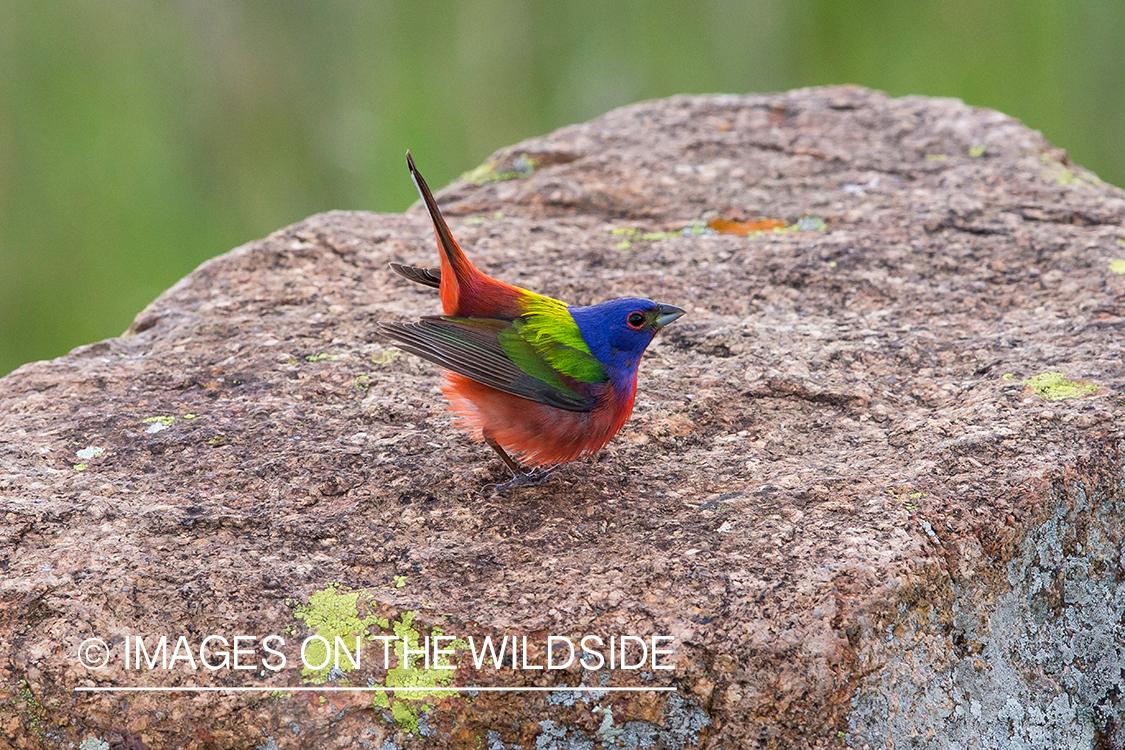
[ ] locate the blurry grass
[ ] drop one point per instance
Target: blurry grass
(139, 139)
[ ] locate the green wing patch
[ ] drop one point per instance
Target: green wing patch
(549, 328)
(473, 347)
(538, 356)
(545, 358)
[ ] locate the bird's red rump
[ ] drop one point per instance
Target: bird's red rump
(465, 291)
(477, 295)
(541, 435)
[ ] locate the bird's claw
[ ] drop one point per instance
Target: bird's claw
(522, 479)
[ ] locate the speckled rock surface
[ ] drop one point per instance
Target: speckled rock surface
(838, 494)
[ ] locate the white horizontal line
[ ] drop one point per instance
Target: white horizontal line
(377, 689)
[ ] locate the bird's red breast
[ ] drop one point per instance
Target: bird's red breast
(540, 434)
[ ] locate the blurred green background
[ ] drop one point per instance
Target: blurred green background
(140, 138)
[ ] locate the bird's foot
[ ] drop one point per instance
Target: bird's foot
(521, 479)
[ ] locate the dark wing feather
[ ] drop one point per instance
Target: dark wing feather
(471, 347)
(424, 276)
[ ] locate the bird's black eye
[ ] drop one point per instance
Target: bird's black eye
(635, 320)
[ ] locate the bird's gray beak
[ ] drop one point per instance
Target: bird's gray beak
(666, 314)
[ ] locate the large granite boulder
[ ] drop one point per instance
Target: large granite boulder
(872, 490)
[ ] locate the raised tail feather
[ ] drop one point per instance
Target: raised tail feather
(450, 250)
(423, 276)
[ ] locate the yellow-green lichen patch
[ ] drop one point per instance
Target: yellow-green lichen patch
(330, 613)
(323, 356)
(408, 674)
(937, 157)
(400, 582)
(1117, 266)
(482, 175)
(629, 235)
(627, 238)
(1057, 172)
(1064, 176)
(81, 467)
(522, 167)
(975, 152)
(904, 496)
(384, 356)
(1054, 386)
(406, 715)
(35, 712)
(415, 684)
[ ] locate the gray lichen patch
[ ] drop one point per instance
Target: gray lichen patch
(90, 452)
(680, 726)
(1033, 659)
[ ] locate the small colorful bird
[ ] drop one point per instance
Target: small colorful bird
(527, 374)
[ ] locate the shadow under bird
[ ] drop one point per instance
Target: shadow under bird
(528, 375)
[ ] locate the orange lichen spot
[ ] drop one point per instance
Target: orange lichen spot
(743, 228)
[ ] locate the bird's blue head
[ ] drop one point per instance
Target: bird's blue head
(619, 331)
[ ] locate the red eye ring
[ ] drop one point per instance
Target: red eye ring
(636, 320)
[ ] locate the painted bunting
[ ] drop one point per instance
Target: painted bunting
(529, 375)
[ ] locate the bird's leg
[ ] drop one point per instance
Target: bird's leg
(508, 460)
(520, 478)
